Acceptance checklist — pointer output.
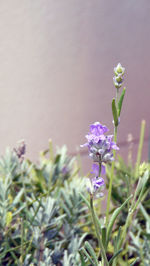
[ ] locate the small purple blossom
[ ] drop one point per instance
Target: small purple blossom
(100, 146)
(97, 182)
(98, 129)
(95, 186)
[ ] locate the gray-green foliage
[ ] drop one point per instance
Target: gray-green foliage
(45, 218)
(40, 210)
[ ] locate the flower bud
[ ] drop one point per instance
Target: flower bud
(119, 70)
(118, 78)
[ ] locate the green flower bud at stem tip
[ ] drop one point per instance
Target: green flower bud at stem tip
(119, 69)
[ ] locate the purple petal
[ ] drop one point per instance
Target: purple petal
(98, 129)
(95, 169)
(97, 182)
(103, 170)
(114, 146)
(84, 145)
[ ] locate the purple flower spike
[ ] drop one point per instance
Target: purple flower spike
(100, 146)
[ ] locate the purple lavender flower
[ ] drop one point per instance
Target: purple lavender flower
(95, 186)
(100, 146)
(97, 182)
(98, 129)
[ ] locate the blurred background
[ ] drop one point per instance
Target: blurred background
(56, 69)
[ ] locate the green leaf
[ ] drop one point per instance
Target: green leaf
(142, 185)
(121, 101)
(57, 159)
(86, 254)
(113, 218)
(104, 234)
(115, 255)
(145, 214)
(83, 263)
(91, 252)
(85, 200)
(114, 112)
(18, 197)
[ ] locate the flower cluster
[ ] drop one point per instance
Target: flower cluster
(100, 146)
(100, 150)
(118, 78)
(95, 186)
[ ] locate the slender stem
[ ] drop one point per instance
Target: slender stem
(98, 233)
(100, 166)
(111, 179)
(140, 148)
(117, 93)
(22, 241)
(128, 221)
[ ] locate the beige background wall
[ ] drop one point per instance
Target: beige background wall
(56, 68)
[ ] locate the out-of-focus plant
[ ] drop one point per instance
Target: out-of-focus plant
(41, 210)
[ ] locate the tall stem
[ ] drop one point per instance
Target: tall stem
(111, 178)
(22, 241)
(117, 93)
(100, 166)
(140, 148)
(106, 263)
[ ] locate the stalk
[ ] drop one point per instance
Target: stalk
(111, 179)
(22, 241)
(140, 148)
(104, 257)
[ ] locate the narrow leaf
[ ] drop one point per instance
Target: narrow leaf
(85, 200)
(87, 255)
(115, 255)
(91, 252)
(104, 234)
(18, 197)
(114, 112)
(83, 263)
(113, 218)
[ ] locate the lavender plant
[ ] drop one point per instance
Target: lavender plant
(102, 149)
(46, 207)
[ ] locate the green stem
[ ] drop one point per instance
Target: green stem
(111, 179)
(22, 241)
(98, 233)
(100, 166)
(140, 148)
(117, 93)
